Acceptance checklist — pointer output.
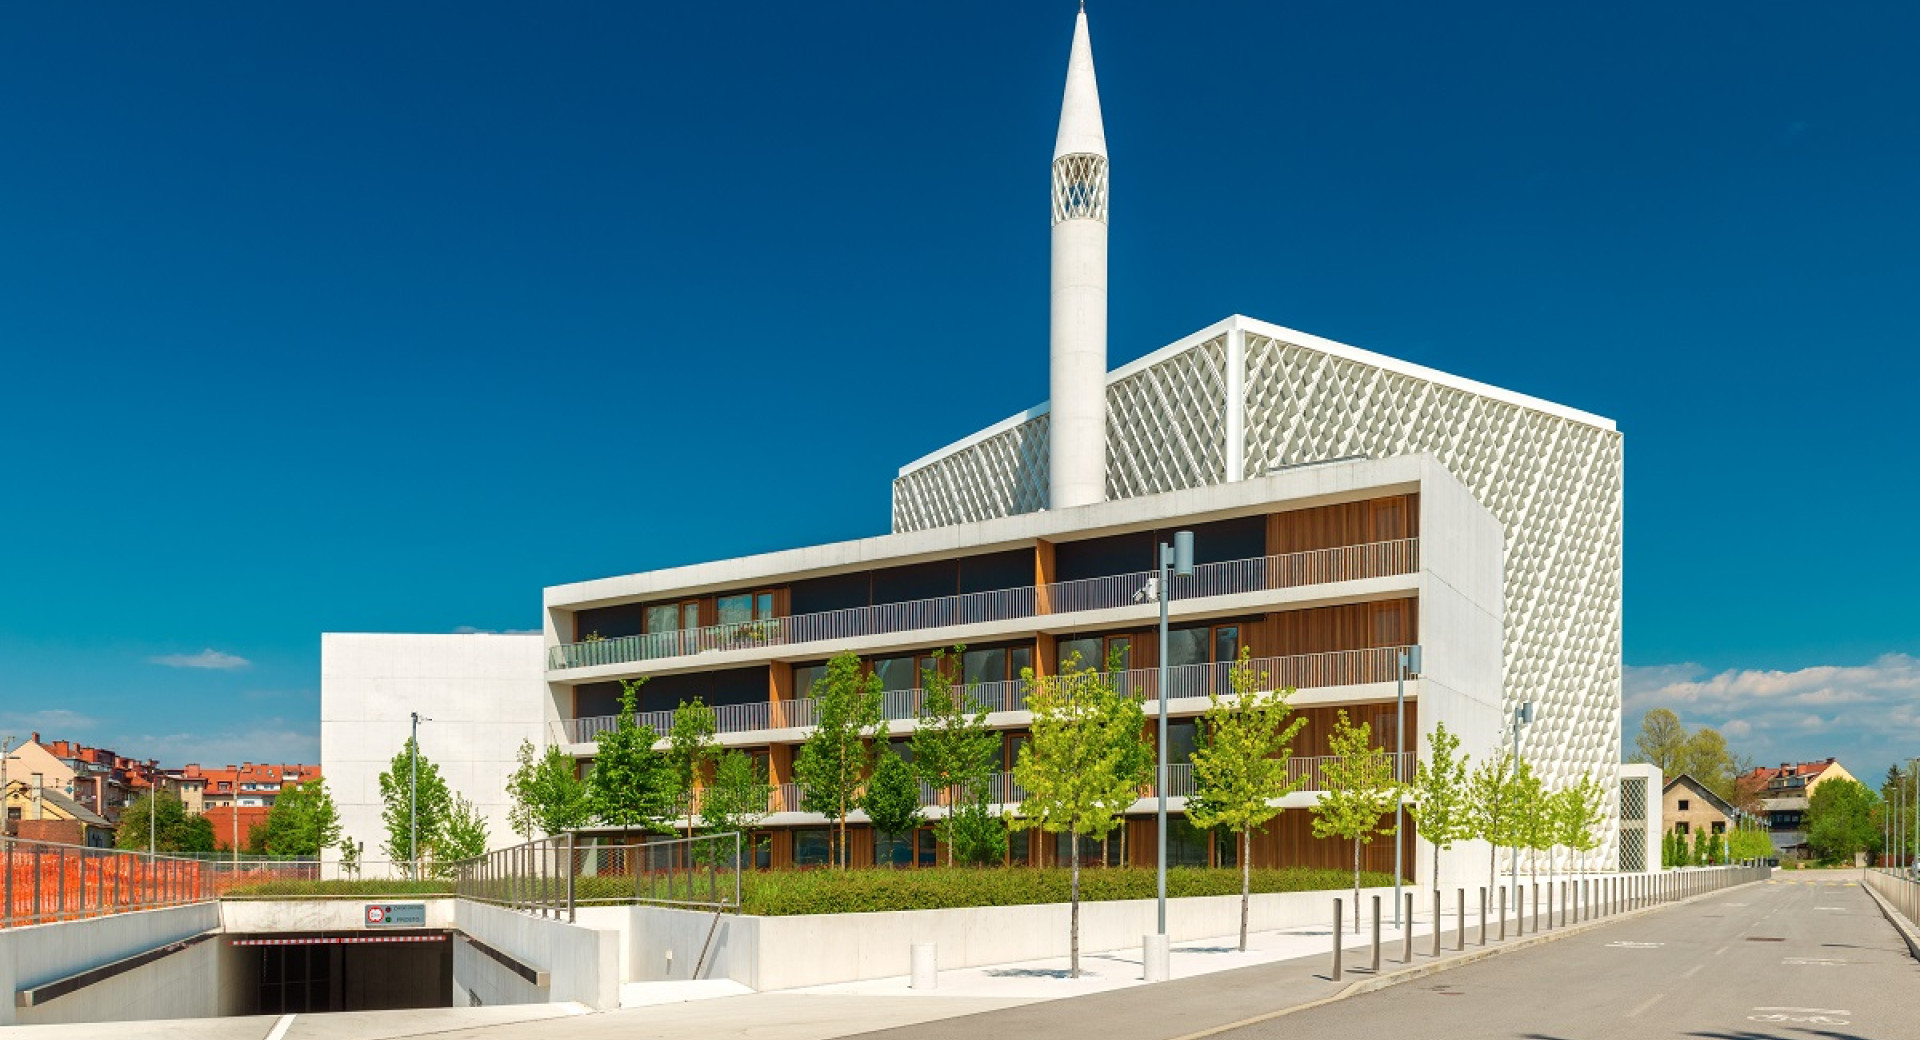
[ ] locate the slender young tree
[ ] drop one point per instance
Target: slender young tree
(1442, 796)
(1071, 767)
(547, 793)
(1493, 810)
(737, 798)
(835, 760)
(1577, 813)
(629, 786)
(892, 798)
(423, 815)
(690, 746)
(1359, 793)
(1533, 809)
(464, 837)
(953, 749)
(1240, 764)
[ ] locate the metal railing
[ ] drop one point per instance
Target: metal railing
(1296, 671)
(555, 876)
(1289, 570)
(41, 882)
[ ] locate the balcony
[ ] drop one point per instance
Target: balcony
(1291, 570)
(1299, 671)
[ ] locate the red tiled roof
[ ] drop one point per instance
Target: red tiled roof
(1805, 769)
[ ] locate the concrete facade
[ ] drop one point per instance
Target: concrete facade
(583, 962)
(482, 693)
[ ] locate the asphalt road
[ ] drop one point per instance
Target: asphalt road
(1806, 955)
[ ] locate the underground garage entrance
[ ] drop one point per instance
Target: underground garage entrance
(308, 972)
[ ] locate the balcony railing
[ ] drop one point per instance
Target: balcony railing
(1313, 567)
(1298, 671)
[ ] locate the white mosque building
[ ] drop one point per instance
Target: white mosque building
(1345, 506)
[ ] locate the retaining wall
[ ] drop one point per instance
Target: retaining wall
(180, 985)
(583, 963)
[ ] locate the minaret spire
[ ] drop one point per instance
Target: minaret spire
(1077, 428)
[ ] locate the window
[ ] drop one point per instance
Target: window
(1680, 828)
(896, 673)
(813, 847)
(1683, 805)
(1719, 827)
(1089, 651)
(1187, 646)
(978, 666)
(1186, 844)
(915, 848)
(804, 676)
(673, 617)
(1091, 849)
(1182, 736)
(762, 850)
(741, 607)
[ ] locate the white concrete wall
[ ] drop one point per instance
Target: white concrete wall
(182, 985)
(241, 916)
(1462, 626)
(584, 962)
(785, 952)
(483, 693)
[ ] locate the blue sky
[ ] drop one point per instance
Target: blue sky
(365, 317)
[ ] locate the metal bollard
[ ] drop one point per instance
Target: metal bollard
(1437, 920)
(1536, 907)
(1483, 915)
(1503, 913)
(1459, 919)
(1337, 922)
(1376, 936)
(1406, 930)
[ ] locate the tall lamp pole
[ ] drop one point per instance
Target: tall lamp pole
(1179, 557)
(1913, 767)
(413, 800)
(1522, 716)
(1408, 665)
(6, 751)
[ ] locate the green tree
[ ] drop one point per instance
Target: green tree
(303, 821)
(1360, 790)
(172, 827)
(547, 793)
(1840, 815)
(1534, 816)
(412, 811)
(629, 786)
(1750, 841)
(736, 801)
(834, 762)
(1698, 857)
(1071, 767)
(979, 835)
(892, 798)
(1578, 811)
(464, 837)
(1493, 810)
(350, 858)
(1661, 742)
(1708, 760)
(954, 751)
(1442, 796)
(1240, 764)
(690, 746)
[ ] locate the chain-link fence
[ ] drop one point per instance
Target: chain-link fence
(553, 876)
(42, 882)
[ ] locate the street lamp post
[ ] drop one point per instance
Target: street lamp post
(413, 799)
(1913, 767)
(1408, 665)
(1522, 716)
(1178, 557)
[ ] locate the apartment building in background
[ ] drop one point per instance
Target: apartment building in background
(98, 779)
(34, 812)
(1346, 506)
(1784, 792)
(248, 785)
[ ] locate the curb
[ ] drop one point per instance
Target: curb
(1896, 919)
(1458, 960)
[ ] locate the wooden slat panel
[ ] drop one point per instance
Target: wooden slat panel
(1349, 626)
(1349, 523)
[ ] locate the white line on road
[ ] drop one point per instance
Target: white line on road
(1720, 951)
(280, 1028)
(1810, 1011)
(1691, 972)
(1645, 1004)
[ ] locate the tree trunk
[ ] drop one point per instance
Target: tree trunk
(1246, 883)
(1436, 868)
(953, 804)
(1356, 886)
(1073, 935)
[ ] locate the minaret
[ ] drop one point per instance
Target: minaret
(1077, 453)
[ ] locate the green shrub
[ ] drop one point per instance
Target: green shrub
(352, 887)
(790, 892)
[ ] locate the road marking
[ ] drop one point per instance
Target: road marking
(1829, 908)
(1807, 1011)
(1813, 962)
(1635, 945)
(1645, 1004)
(1816, 1020)
(280, 1028)
(1691, 972)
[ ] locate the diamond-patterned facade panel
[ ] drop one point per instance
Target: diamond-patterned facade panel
(1080, 188)
(1166, 425)
(1004, 475)
(1555, 484)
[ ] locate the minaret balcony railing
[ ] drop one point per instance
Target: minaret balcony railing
(1231, 577)
(1297, 672)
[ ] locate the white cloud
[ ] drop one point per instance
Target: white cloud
(273, 740)
(209, 658)
(1865, 715)
(50, 723)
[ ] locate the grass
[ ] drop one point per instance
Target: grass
(784, 893)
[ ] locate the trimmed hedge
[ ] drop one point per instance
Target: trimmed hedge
(343, 888)
(784, 893)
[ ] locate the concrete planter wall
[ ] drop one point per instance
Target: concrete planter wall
(182, 985)
(583, 962)
(786, 952)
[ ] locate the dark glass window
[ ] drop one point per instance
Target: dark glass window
(896, 673)
(734, 610)
(1019, 659)
(1092, 852)
(763, 851)
(1186, 844)
(980, 666)
(663, 618)
(1092, 652)
(1187, 646)
(804, 676)
(1181, 737)
(813, 847)
(1226, 644)
(1019, 846)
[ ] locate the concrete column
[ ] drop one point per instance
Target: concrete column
(1156, 957)
(926, 971)
(1236, 403)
